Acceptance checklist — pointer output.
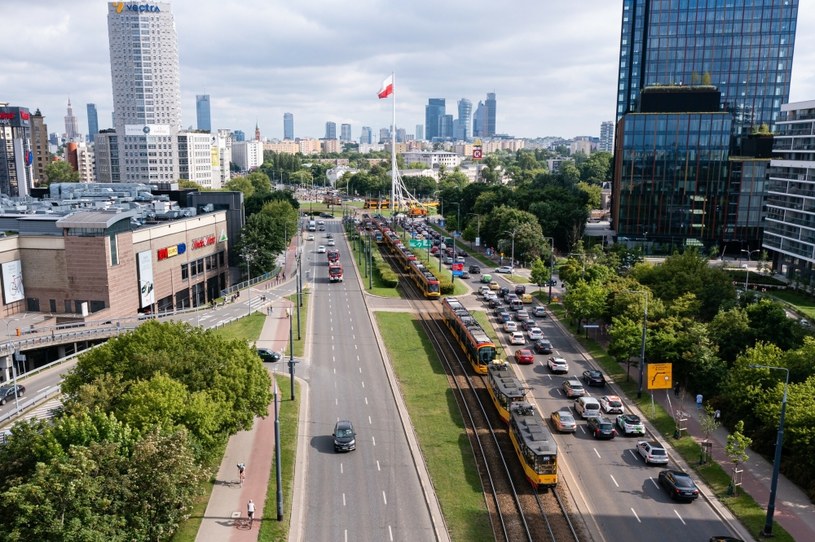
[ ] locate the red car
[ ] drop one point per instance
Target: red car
(524, 356)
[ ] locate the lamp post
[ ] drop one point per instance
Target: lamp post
(551, 266)
(512, 257)
(644, 293)
(278, 473)
(768, 524)
(248, 256)
(458, 227)
(11, 352)
(291, 354)
(747, 266)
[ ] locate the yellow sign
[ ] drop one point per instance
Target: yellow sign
(660, 376)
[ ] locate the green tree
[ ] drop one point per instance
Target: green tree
(730, 330)
(540, 274)
(585, 301)
(260, 182)
(260, 243)
(186, 183)
(240, 184)
(60, 171)
(736, 448)
(625, 340)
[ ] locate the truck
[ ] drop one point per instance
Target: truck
(312, 225)
(333, 255)
(335, 272)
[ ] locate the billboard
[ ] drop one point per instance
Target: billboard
(146, 289)
(13, 281)
(660, 376)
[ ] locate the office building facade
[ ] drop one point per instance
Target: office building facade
(462, 130)
(491, 110)
(93, 122)
(203, 115)
(330, 130)
(433, 113)
(606, 136)
(288, 126)
(146, 91)
(345, 133)
(195, 158)
(16, 155)
(39, 146)
(419, 132)
(366, 137)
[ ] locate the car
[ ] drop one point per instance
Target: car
(448, 260)
(630, 424)
(464, 275)
(434, 251)
(551, 282)
(267, 354)
(474, 269)
(504, 269)
(587, 407)
(331, 243)
(461, 252)
(345, 438)
(504, 317)
(520, 289)
(524, 356)
(517, 338)
(7, 392)
(483, 290)
(494, 285)
(490, 296)
(310, 237)
(573, 388)
(534, 333)
(522, 315)
(601, 427)
(543, 346)
(486, 279)
(563, 421)
(526, 299)
(510, 326)
(611, 404)
(539, 312)
(594, 378)
(329, 235)
(652, 452)
(459, 259)
(321, 249)
(558, 365)
(503, 292)
(495, 302)
(679, 485)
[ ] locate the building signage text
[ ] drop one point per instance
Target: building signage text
(202, 242)
(141, 8)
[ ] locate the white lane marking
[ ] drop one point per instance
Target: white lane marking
(335, 370)
(356, 347)
(615, 481)
(390, 533)
(634, 453)
(598, 453)
(336, 401)
(369, 420)
(363, 384)
(333, 359)
(360, 370)
(373, 439)
(342, 469)
(343, 499)
(636, 516)
(43, 389)
(332, 347)
(377, 466)
(345, 532)
(384, 497)
(358, 358)
(680, 517)
(366, 400)
(655, 483)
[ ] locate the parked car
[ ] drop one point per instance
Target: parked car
(543, 346)
(630, 424)
(7, 392)
(558, 365)
(534, 333)
(524, 356)
(587, 407)
(474, 269)
(573, 388)
(269, 355)
(601, 427)
(344, 436)
(679, 485)
(563, 421)
(505, 269)
(594, 378)
(517, 338)
(539, 312)
(652, 452)
(310, 237)
(611, 404)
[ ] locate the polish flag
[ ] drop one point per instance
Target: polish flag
(387, 87)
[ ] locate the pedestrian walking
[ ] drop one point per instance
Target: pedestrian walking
(250, 511)
(717, 415)
(676, 389)
(699, 399)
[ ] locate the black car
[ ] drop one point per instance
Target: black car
(679, 485)
(475, 270)
(345, 438)
(520, 289)
(543, 346)
(594, 378)
(601, 427)
(269, 355)
(7, 392)
(503, 291)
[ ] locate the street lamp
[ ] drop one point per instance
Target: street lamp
(768, 524)
(458, 227)
(11, 352)
(747, 277)
(512, 234)
(747, 266)
(644, 333)
(291, 353)
(551, 266)
(248, 256)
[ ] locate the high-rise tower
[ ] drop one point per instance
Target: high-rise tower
(71, 124)
(433, 113)
(93, 122)
(288, 126)
(330, 130)
(203, 115)
(462, 128)
(491, 110)
(146, 91)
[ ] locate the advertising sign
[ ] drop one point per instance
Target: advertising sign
(13, 281)
(660, 376)
(147, 129)
(457, 269)
(146, 289)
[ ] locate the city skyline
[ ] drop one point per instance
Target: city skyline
(558, 79)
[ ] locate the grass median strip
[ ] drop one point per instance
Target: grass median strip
(437, 421)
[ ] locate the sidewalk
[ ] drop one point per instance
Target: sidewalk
(793, 510)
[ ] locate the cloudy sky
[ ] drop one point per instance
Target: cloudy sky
(551, 63)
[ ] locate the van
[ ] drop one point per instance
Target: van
(312, 225)
(515, 305)
(587, 407)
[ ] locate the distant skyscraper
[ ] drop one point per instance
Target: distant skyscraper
(146, 91)
(93, 122)
(461, 129)
(330, 130)
(384, 135)
(433, 112)
(401, 135)
(238, 135)
(202, 113)
(71, 124)
(39, 146)
(480, 120)
(446, 127)
(419, 132)
(288, 126)
(366, 138)
(606, 136)
(491, 106)
(345, 132)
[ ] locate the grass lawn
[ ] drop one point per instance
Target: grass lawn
(435, 417)
(247, 329)
(299, 344)
(800, 303)
(361, 261)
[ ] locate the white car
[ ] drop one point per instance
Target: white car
(558, 365)
(321, 249)
(587, 407)
(506, 269)
(611, 404)
(310, 237)
(510, 327)
(652, 452)
(517, 338)
(331, 243)
(630, 424)
(534, 333)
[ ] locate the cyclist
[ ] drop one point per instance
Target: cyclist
(242, 472)
(250, 511)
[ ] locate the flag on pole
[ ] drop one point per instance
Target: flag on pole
(387, 87)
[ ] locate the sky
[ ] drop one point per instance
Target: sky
(551, 63)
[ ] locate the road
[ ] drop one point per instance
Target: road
(372, 493)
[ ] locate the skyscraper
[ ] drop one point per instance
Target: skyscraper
(146, 91)
(695, 86)
(71, 124)
(39, 146)
(366, 137)
(433, 113)
(491, 109)
(93, 122)
(462, 128)
(330, 130)
(480, 120)
(606, 136)
(202, 113)
(419, 132)
(345, 132)
(288, 126)
(16, 157)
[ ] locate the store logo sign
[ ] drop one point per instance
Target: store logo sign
(171, 251)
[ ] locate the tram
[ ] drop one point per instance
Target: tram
(474, 341)
(534, 444)
(504, 388)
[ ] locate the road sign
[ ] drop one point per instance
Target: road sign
(419, 243)
(660, 376)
